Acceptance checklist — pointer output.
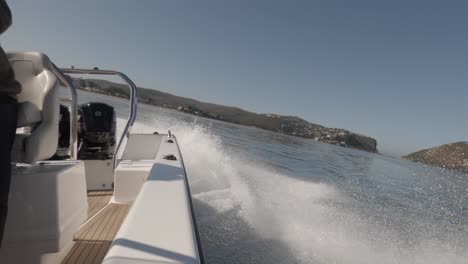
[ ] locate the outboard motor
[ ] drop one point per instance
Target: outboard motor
(96, 135)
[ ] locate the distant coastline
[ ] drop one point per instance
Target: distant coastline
(289, 125)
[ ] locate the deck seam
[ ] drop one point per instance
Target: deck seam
(106, 238)
(80, 246)
(95, 236)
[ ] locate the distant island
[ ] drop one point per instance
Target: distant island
(289, 125)
(452, 156)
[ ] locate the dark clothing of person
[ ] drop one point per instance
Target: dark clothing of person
(8, 85)
(9, 88)
(5, 16)
(8, 115)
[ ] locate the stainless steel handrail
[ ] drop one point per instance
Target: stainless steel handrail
(133, 102)
(73, 112)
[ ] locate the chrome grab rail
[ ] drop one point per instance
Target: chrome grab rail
(133, 101)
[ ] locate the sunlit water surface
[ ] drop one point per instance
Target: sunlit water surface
(262, 197)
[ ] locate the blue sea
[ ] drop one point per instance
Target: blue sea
(262, 197)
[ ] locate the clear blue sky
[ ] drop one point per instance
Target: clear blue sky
(394, 70)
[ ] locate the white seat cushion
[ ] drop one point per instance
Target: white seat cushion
(38, 106)
(28, 114)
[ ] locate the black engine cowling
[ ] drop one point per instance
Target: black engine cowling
(97, 125)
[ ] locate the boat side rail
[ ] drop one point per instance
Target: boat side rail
(132, 98)
(161, 226)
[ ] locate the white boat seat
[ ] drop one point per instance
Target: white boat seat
(46, 206)
(38, 107)
(28, 114)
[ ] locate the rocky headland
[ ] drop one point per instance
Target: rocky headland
(289, 125)
(452, 156)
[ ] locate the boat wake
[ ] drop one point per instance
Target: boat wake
(248, 212)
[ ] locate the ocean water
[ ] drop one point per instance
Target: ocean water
(261, 197)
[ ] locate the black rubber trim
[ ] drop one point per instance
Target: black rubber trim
(194, 220)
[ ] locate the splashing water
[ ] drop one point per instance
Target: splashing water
(261, 197)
